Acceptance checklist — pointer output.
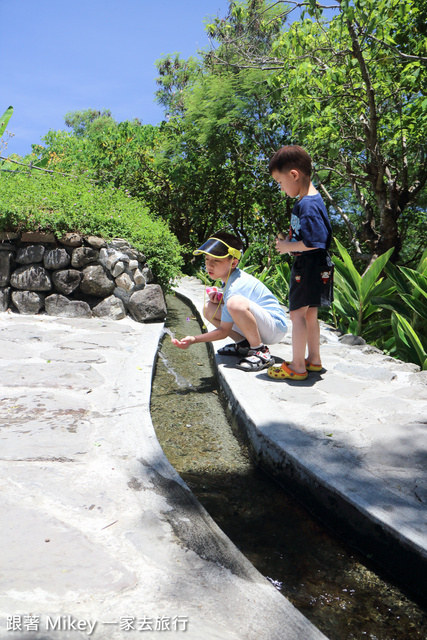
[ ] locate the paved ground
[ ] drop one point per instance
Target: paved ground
(100, 537)
(351, 441)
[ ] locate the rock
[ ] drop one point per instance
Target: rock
(96, 242)
(123, 245)
(148, 275)
(30, 254)
(148, 305)
(110, 257)
(111, 307)
(27, 302)
(71, 240)
(82, 256)
(4, 298)
(352, 340)
(87, 268)
(38, 236)
(5, 267)
(138, 277)
(57, 305)
(119, 244)
(67, 281)
(31, 278)
(56, 259)
(8, 235)
(118, 269)
(97, 282)
(7, 246)
(123, 295)
(124, 281)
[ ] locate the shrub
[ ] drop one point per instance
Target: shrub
(59, 204)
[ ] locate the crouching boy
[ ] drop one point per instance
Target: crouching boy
(247, 311)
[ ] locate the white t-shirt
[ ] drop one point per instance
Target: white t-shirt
(243, 284)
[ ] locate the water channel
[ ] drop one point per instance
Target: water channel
(326, 580)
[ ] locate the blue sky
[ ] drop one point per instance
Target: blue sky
(63, 55)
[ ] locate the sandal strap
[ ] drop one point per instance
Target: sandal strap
(262, 356)
(233, 349)
(256, 360)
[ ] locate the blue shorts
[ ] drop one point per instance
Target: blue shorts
(312, 280)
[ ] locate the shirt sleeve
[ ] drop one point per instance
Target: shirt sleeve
(313, 231)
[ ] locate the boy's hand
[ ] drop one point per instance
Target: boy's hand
(214, 295)
(282, 245)
(184, 343)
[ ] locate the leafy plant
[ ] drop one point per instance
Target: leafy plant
(353, 304)
(5, 119)
(58, 204)
(406, 300)
(275, 277)
(408, 344)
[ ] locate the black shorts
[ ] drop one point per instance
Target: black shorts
(312, 280)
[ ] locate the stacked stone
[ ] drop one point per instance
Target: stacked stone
(76, 276)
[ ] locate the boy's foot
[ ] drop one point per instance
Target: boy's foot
(256, 360)
(285, 373)
(235, 349)
(309, 366)
(313, 367)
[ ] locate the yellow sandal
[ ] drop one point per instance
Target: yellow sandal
(285, 373)
(313, 367)
(309, 366)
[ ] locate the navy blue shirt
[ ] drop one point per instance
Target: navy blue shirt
(310, 223)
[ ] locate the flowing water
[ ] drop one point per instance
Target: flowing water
(325, 579)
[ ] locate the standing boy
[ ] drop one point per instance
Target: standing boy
(247, 311)
(309, 238)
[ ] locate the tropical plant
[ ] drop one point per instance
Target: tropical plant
(5, 119)
(353, 304)
(406, 299)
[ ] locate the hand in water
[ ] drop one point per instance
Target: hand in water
(184, 343)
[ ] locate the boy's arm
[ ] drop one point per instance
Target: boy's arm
(222, 332)
(286, 246)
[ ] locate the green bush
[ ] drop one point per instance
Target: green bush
(59, 204)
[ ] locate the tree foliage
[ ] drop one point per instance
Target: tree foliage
(349, 88)
(353, 89)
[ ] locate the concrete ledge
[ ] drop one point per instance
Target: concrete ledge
(341, 476)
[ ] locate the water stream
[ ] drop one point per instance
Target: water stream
(326, 580)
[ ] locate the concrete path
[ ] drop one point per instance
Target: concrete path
(350, 441)
(99, 535)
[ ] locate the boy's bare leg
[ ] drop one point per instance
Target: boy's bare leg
(313, 336)
(238, 308)
(212, 313)
(299, 339)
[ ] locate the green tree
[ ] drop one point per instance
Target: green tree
(81, 121)
(223, 126)
(355, 98)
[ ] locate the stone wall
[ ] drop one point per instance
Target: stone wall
(77, 276)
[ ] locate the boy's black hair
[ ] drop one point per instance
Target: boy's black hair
(291, 157)
(229, 238)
